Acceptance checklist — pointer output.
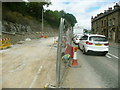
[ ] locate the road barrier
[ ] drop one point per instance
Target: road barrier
(64, 51)
(5, 43)
(43, 36)
(55, 40)
(49, 86)
(69, 50)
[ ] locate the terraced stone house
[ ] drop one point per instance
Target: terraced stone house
(108, 23)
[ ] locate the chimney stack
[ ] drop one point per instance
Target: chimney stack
(110, 8)
(105, 11)
(116, 6)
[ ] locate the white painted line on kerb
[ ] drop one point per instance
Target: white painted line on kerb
(35, 78)
(108, 56)
(113, 55)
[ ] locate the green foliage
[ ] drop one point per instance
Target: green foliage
(15, 17)
(16, 6)
(52, 17)
(70, 18)
(34, 9)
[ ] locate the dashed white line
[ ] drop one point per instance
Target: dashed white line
(113, 55)
(35, 78)
(108, 56)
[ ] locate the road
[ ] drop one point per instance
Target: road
(28, 65)
(95, 72)
(33, 64)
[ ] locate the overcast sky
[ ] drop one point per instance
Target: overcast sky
(82, 9)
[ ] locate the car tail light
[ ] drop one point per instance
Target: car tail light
(106, 44)
(88, 43)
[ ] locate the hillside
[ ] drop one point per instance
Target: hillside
(18, 26)
(25, 19)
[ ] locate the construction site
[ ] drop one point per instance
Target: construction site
(36, 62)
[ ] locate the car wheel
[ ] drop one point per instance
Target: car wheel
(104, 54)
(78, 46)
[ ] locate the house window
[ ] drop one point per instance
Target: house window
(113, 22)
(110, 22)
(104, 22)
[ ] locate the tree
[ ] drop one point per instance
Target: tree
(34, 9)
(70, 18)
(52, 17)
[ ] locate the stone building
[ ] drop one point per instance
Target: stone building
(108, 23)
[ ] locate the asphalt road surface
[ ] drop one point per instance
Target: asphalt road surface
(32, 64)
(95, 71)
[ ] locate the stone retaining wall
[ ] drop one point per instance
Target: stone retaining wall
(15, 38)
(19, 32)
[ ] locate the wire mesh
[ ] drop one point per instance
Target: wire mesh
(64, 50)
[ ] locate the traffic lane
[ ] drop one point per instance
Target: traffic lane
(82, 77)
(106, 68)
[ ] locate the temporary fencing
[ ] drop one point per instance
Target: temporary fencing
(5, 43)
(64, 51)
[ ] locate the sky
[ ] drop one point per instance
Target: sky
(83, 10)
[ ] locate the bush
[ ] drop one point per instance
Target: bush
(16, 17)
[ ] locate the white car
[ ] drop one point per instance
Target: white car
(76, 39)
(94, 43)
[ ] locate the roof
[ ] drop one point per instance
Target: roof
(106, 14)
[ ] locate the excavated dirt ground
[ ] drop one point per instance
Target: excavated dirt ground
(28, 65)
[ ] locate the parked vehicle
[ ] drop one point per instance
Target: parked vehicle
(77, 32)
(76, 39)
(94, 43)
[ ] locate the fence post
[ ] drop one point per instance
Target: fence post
(59, 47)
(70, 35)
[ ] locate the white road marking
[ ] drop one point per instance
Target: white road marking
(113, 55)
(108, 56)
(35, 78)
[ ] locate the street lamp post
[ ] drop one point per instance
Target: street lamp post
(43, 10)
(42, 20)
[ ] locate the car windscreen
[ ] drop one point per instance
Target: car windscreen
(97, 38)
(78, 36)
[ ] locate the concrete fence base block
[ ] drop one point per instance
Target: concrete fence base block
(47, 85)
(79, 66)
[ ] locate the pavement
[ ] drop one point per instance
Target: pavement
(113, 44)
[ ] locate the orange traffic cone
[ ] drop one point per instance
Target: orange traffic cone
(74, 61)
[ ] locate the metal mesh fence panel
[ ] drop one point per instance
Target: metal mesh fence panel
(64, 50)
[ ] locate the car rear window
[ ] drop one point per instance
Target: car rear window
(78, 36)
(98, 38)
